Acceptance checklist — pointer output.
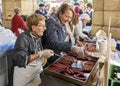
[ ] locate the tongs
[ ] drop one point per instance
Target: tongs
(59, 55)
(88, 58)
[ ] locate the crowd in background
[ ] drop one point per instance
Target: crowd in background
(84, 11)
(79, 8)
(49, 10)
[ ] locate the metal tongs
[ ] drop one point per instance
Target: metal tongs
(59, 55)
(88, 58)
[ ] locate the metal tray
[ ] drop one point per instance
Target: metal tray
(73, 80)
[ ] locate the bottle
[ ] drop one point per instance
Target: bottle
(115, 73)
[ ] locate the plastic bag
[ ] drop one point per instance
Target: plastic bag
(77, 64)
(7, 39)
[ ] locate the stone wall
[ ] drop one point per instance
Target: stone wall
(103, 9)
(27, 7)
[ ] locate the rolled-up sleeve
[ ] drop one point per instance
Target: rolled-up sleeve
(22, 56)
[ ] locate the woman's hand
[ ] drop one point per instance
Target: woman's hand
(47, 53)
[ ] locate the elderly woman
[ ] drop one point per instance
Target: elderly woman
(85, 18)
(29, 54)
(56, 36)
(17, 22)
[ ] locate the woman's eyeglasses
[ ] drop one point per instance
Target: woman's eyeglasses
(41, 26)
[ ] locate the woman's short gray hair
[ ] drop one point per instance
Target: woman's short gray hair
(17, 10)
(85, 16)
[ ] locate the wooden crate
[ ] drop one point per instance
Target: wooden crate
(113, 5)
(98, 18)
(115, 18)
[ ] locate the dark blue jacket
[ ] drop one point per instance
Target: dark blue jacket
(42, 12)
(55, 35)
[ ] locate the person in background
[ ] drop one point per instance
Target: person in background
(83, 7)
(56, 36)
(78, 11)
(53, 11)
(89, 11)
(17, 22)
(42, 10)
(29, 53)
(81, 3)
(24, 17)
(85, 18)
(75, 26)
(47, 7)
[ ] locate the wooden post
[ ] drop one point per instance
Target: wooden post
(107, 64)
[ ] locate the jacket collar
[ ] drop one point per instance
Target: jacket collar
(56, 19)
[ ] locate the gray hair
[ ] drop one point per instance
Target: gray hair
(85, 16)
(17, 10)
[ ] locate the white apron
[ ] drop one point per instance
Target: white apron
(25, 76)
